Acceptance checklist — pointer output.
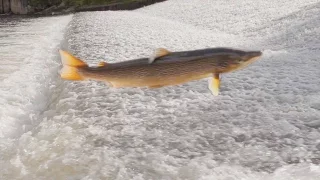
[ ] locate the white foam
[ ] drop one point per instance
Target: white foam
(263, 124)
(31, 48)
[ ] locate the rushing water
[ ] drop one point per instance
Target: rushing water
(28, 69)
(264, 125)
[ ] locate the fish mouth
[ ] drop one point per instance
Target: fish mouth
(253, 54)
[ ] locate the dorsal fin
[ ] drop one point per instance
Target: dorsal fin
(101, 64)
(160, 52)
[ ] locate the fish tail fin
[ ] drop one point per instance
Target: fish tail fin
(71, 66)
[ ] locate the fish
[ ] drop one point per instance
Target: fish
(162, 68)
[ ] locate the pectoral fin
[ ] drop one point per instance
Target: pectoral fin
(158, 53)
(214, 84)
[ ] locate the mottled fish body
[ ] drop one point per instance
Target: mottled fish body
(164, 68)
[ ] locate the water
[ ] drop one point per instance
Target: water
(28, 70)
(263, 125)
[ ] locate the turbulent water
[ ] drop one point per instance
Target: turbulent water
(265, 124)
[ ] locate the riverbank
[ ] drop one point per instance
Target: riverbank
(21, 7)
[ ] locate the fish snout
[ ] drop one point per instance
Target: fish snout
(252, 55)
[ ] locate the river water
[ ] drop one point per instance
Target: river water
(265, 124)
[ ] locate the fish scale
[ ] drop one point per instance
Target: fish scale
(164, 68)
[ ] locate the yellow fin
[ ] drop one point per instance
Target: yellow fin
(214, 84)
(68, 59)
(71, 66)
(101, 64)
(159, 53)
(70, 73)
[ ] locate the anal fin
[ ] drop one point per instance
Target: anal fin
(214, 84)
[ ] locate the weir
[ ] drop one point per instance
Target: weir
(21, 6)
(14, 6)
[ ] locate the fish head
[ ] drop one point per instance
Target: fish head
(250, 57)
(241, 59)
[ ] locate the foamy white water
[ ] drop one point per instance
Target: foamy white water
(264, 125)
(29, 65)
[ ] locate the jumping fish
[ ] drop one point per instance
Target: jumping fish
(163, 68)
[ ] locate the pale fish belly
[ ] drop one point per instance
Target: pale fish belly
(156, 82)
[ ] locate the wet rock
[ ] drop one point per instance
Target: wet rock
(30, 9)
(70, 10)
(49, 10)
(19, 6)
(6, 6)
(118, 6)
(1, 8)
(62, 5)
